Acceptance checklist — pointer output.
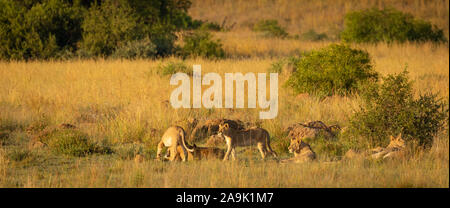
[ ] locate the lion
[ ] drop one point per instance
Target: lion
(396, 147)
(174, 140)
(252, 136)
(302, 152)
(202, 153)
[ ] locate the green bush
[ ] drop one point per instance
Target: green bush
(390, 108)
(38, 30)
(200, 44)
(106, 26)
(312, 35)
(329, 147)
(47, 29)
(270, 28)
(280, 65)
(336, 69)
(388, 25)
(20, 155)
(72, 142)
(172, 68)
(211, 26)
(136, 49)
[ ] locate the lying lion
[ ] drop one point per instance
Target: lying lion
(302, 152)
(249, 137)
(395, 148)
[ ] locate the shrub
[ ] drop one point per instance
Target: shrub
(38, 30)
(19, 155)
(312, 35)
(270, 28)
(107, 26)
(200, 44)
(388, 25)
(72, 142)
(329, 147)
(211, 26)
(390, 108)
(47, 29)
(281, 65)
(336, 69)
(173, 68)
(136, 49)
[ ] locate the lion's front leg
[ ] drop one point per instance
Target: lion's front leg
(227, 153)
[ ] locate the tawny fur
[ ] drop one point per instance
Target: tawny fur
(203, 153)
(302, 152)
(249, 137)
(174, 140)
(395, 148)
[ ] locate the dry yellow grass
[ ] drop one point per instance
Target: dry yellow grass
(299, 16)
(430, 170)
(131, 93)
(119, 101)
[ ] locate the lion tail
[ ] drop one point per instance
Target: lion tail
(182, 134)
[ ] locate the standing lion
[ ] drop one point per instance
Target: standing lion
(249, 137)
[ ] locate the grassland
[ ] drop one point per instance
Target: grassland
(118, 103)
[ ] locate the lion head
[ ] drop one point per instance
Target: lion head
(223, 128)
(297, 145)
(397, 142)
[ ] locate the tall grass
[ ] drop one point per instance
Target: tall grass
(299, 16)
(121, 101)
(124, 104)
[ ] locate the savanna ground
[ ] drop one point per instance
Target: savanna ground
(118, 102)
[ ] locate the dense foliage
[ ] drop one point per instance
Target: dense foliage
(335, 69)
(270, 28)
(388, 25)
(47, 29)
(390, 108)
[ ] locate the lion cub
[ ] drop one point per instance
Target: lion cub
(302, 152)
(248, 137)
(202, 153)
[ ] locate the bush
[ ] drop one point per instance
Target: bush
(336, 69)
(312, 35)
(270, 28)
(19, 155)
(211, 26)
(329, 147)
(107, 26)
(200, 44)
(390, 108)
(47, 29)
(173, 68)
(72, 142)
(38, 30)
(282, 64)
(136, 49)
(388, 25)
